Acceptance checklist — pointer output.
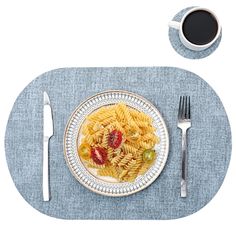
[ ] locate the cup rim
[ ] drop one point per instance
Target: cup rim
(197, 9)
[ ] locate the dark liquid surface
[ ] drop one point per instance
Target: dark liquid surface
(200, 27)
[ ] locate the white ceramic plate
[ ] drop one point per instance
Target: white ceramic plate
(102, 185)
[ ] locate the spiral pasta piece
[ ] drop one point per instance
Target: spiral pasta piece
(134, 170)
(127, 148)
(144, 168)
(147, 145)
(89, 140)
(116, 159)
(130, 165)
(110, 154)
(108, 171)
(97, 126)
(118, 126)
(124, 161)
(148, 136)
(108, 121)
(126, 112)
(85, 130)
(105, 139)
(140, 116)
(122, 174)
(91, 164)
(119, 113)
(95, 114)
(141, 123)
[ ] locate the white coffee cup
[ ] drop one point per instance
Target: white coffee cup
(184, 40)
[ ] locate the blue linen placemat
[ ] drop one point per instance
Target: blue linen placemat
(181, 49)
(209, 143)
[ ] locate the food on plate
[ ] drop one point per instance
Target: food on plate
(115, 139)
(84, 151)
(149, 155)
(119, 142)
(99, 155)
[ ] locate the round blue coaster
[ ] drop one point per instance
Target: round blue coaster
(181, 49)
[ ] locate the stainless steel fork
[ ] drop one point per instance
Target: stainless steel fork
(184, 123)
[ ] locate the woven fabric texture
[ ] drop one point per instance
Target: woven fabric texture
(209, 143)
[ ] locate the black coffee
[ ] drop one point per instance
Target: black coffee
(200, 27)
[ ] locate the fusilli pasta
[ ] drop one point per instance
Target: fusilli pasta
(123, 134)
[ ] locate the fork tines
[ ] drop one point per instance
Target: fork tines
(184, 108)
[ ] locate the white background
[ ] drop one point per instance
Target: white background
(37, 36)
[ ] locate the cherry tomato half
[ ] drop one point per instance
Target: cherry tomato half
(149, 155)
(84, 151)
(115, 139)
(99, 155)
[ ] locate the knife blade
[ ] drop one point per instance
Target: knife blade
(47, 134)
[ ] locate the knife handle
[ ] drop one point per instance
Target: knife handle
(46, 195)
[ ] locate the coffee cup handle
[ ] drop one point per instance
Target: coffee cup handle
(174, 24)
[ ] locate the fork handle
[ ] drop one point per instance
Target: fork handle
(184, 164)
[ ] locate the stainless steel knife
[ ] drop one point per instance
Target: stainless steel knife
(47, 134)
